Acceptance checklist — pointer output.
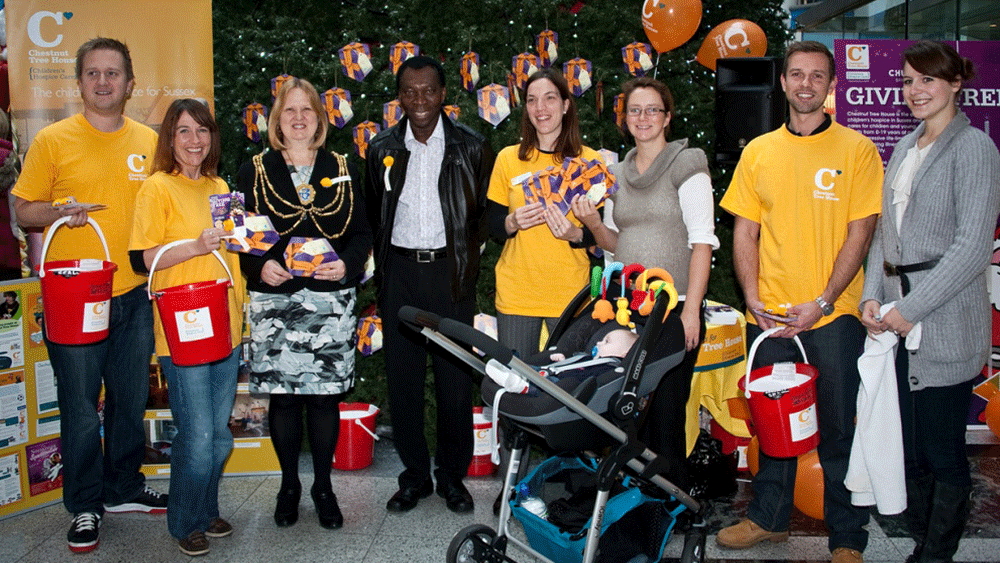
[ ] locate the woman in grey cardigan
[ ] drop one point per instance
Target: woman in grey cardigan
(930, 256)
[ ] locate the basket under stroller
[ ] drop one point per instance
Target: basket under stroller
(596, 414)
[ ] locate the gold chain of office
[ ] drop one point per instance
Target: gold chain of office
(263, 191)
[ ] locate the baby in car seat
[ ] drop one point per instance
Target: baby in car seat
(606, 354)
(615, 344)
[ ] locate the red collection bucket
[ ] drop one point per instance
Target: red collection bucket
(782, 400)
(356, 443)
(482, 431)
(76, 294)
(195, 316)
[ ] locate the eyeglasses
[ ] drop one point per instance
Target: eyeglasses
(649, 111)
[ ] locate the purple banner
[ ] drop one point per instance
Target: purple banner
(869, 97)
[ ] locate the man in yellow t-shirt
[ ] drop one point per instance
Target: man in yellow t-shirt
(100, 157)
(806, 199)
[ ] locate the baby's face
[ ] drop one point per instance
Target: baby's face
(615, 344)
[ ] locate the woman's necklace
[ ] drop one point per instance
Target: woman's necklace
(300, 179)
(264, 191)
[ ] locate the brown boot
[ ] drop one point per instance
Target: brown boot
(747, 534)
(847, 555)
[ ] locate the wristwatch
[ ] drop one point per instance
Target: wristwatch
(824, 306)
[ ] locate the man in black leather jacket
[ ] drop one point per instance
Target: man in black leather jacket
(426, 182)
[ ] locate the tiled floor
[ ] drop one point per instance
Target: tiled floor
(371, 535)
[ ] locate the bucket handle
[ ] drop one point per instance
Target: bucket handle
(365, 428)
(52, 231)
(168, 246)
(753, 351)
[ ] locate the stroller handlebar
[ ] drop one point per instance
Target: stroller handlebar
(469, 335)
(455, 330)
(419, 318)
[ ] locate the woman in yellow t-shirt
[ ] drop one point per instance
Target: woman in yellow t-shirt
(541, 267)
(173, 204)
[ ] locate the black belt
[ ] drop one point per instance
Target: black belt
(891, 270)
(421, 256)
(901, 271)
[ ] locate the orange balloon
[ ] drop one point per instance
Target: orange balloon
(992, 415)
(808, 479)
(809, 485)
(670, 23)
(733, 38)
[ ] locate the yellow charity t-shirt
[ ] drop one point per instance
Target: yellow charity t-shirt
(72, 158)
(537, 274)
(173, 207)
(803, 191)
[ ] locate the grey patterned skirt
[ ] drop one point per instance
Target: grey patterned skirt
(303, 342)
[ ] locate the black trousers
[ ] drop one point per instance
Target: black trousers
(664, 427)
(425, 286)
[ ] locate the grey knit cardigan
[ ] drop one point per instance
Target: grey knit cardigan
(951, 216)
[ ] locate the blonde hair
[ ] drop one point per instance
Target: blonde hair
(274, 134)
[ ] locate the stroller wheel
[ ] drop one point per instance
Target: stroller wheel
(694, 546)
(471, 544)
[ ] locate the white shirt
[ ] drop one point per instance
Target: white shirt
(698, 210)
(419, 220)
(903, 182)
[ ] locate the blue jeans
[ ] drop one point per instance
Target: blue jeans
(91, 477)
(201, 402)
(834, 350)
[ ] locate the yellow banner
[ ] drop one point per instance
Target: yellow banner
(171, 61)
(723, 346)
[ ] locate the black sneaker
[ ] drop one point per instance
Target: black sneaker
(148, 500)
(83, 532)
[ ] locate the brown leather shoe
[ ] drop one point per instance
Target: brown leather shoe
(747, 534)
(219, 528)
(847, 555)
(195, 544)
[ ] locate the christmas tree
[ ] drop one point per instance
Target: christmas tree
(257, 41)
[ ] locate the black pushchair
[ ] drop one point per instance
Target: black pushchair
(596, 414)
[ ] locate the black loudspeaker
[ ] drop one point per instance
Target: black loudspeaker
(748, 102)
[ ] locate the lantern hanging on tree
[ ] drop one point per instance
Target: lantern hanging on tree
(494, 103)
(254, 115)
(355, 60)
(548, 47)
(363, 132)
(399, 53)
(337, 103)
(469, 71)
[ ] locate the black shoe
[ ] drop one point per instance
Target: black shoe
(148, 500)
(456, 496)
(286, 513)
(327, 510)
(84, 532)
(407, 497)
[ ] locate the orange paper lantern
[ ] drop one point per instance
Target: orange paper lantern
(733, 38)
(670, 23)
